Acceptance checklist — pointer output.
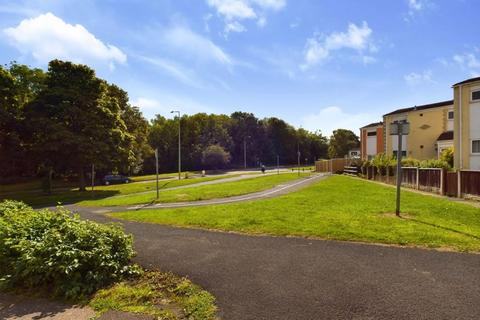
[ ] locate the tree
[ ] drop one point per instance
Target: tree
(77, 122)
(447, 156)
(341, 141)
(215, 157)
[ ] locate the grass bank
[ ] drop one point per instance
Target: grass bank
(204, 192)
(341, 208)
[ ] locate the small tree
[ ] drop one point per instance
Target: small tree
(447, 156)
(215, 157)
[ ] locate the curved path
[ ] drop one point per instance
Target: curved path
(263, 278)
(270, 193)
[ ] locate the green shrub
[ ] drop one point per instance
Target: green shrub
(58, 251)
(447, 156)
(434, 163)
(410, 162)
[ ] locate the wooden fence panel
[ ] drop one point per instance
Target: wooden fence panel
(451, 184)
(409, 177)
(470, 182)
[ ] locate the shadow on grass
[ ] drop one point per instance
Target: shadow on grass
(443, 228)
(39, 200)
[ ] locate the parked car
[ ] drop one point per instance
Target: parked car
(115, 179)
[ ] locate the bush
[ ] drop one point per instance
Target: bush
(447, 156)
(434, 163)
(57, 251)
(215, 157)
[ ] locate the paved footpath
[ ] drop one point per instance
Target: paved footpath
(276, 191)
(262, 277)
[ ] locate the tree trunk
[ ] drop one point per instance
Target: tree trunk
(81, 179)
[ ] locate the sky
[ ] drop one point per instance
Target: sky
(318, 64)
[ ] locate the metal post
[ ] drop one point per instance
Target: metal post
(179, 144)
(298, 158)
(245, 152)
(156, 169)
(179, 147)
(278, 164)
(399, 170)
(418, 178)
(93, 175)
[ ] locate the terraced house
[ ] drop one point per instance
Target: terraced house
(467, 124)
(433, 128)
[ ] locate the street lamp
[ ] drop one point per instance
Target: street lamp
(179, 145)
(245, 151)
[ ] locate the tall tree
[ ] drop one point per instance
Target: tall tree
(341, 142)
(77, 122)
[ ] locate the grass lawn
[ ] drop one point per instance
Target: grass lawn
(161, 176)
(161, 295)
(222, 190)
(341, 208)
(100, 192)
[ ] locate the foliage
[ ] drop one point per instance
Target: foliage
(215, 157)
(159, 294)
(434, 163)
(54, 250)
(341, 142)
(447, 156)
(410, 162)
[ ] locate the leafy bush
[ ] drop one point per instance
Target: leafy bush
(447, 156)
(410, 162)
(215, 157)
(434, 163)
(56, 250)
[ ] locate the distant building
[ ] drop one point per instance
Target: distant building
(371, 140)
(354, 153)
(428, 124)
(467, 124)
(433, 128)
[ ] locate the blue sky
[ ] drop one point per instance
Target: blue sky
(319, 64)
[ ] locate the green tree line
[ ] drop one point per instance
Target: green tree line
(65, 119)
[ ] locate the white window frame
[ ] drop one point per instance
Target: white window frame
(471, 148)
(476, 89)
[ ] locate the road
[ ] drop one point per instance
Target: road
(263, 277)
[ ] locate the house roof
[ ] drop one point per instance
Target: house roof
(375, 124)
(447, 135)
(467, 81)
(422, 107)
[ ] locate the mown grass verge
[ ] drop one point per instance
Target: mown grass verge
(159, 294)
(221, 190)
(341, 208)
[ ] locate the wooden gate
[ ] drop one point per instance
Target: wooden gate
(451, 184)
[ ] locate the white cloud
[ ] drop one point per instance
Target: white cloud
(162, 103)
(358, 38)
(415, 5)
(415, 78)
(234, 26)
(48, 37)
(185, 40)
(176, 71)
(234, 11)
(469, 62)
(332, 118)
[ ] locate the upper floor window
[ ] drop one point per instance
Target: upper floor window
(373, 133)
(475, 146)
(450, 115)
(476, 95)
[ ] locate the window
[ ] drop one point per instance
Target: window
(476, 95)
(450, 115)
(475, 146)
(373, 133)
(404, 153)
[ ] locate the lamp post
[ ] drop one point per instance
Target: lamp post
(399, 128)
(245, 151)
(179, 145)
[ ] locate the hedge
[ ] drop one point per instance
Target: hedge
(59, 252)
